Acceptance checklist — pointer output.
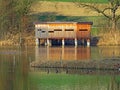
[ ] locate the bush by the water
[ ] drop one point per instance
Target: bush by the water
(27, 38)
(109, 38)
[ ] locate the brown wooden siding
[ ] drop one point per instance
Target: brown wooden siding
(57, 31)
(83, 31)
(63, 30)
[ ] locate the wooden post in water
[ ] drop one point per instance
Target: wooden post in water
(75, 41)
(37, 42)
(48, 42)
(88, 42)
(63, 42)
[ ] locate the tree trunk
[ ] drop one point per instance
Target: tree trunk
(113, 19)
(113, 26)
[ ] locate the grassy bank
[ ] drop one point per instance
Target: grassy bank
(72, 82)
(87, 1)
(62, 8)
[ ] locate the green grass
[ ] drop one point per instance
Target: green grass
(69, 82)
(53, 17)
(88, 1)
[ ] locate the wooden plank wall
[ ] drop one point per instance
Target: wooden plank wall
(41, 31)
(63, 30)
(83, 30)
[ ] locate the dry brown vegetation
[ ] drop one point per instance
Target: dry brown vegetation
(110, 38)
(14, 39)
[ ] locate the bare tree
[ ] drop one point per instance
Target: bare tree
(12, 11)
(112, 8)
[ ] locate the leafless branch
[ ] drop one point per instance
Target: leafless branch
(93, 7)
(105, 9)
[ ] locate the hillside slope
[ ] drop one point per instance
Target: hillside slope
(61, 8)
(65, 8)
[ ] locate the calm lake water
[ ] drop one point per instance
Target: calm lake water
(16, 73)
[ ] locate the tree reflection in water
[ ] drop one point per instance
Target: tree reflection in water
(114, 84)
(14, 68)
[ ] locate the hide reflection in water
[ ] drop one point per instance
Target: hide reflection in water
(62, 53)
(78, 60)
(73, 68)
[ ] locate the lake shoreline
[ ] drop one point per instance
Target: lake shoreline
(103, 39)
